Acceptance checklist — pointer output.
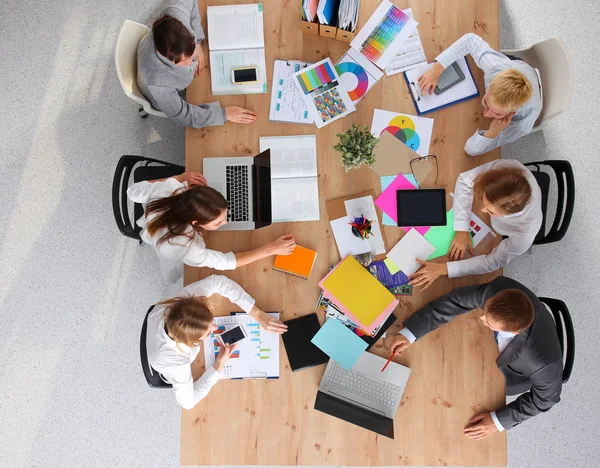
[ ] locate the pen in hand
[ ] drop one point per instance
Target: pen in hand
(388, 361)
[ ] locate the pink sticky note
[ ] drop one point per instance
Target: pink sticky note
(388, 204)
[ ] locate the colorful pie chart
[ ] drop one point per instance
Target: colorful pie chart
(403, 128)
(361, 76)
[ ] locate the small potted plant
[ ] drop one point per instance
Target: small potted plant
(356, 146)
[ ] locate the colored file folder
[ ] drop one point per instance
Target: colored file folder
(299, 263)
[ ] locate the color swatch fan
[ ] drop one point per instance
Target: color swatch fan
(325, 97)
(357, 74)
(415, 132)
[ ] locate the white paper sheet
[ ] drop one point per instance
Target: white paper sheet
(410, 55)
(365, 206)
(295, 199)
(235, 27)
(287, 103)
(405, 253)
(347, 243)
(292, 156)
(413, 131)
(477, 235)
(357, 74)
(222, 62)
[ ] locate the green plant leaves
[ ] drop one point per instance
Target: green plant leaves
(356, 146)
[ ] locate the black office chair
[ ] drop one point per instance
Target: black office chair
(561, 315)
(152, 377)
(566, 198)
(143, 169)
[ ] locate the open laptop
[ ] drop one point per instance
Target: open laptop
(364, 396)
(246, 184)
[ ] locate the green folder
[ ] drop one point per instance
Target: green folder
(441, 236)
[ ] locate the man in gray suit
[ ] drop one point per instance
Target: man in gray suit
(168, 59)
(530, 355)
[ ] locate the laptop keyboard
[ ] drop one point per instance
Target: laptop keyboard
(236, 178)
(360, 384)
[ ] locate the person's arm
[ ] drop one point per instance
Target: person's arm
(471, 44)
(501, 256)
(546, 387)
(219, 284)
(189, 393)
(143, 191)
(187, 12)
(188, 115)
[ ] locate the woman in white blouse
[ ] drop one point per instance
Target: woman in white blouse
(177, 326)
(509, 193)
(176, 211)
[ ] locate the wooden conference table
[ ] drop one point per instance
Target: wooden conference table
(454, 376)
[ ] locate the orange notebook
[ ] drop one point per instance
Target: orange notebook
(299, 263)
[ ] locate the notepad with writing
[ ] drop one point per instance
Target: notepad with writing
(299, 263)
(360, 296)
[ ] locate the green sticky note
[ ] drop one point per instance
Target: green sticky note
(441, 236)
(259, 7)
(391, 266)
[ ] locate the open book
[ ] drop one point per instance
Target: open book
(294, 177)
(236, 40)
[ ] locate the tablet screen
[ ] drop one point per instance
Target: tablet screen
(423, 207)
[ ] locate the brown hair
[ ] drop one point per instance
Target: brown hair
(176, 213)
(506, 188)
(510, 89)
(512, 308)
(172, 39)
(187, 319)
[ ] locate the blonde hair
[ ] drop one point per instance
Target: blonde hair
(510, 89)
(187, 319)
(507, 189)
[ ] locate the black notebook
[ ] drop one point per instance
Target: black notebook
(301, 352)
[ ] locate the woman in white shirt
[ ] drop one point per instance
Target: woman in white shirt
(509, 193)
(177, 326)
(174, 218)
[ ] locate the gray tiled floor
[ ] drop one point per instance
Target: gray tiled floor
(72, 289)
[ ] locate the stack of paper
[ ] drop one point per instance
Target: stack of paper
(327, 11)
(410, 55)
(309, 9)
(348, 14)
(358, 294)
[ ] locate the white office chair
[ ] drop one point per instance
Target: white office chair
(130, 35)
(551, 58)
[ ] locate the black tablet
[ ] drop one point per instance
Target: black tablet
(301, 352)
(421, 207)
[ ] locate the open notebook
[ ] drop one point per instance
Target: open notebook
(236, 40)
(294, 177)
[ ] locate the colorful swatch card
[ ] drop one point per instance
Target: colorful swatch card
(357, 74)
(323, 94)
(415, 132)
(339, 343)
(383, 35)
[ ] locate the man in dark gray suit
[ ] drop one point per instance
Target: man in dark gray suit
(530, 355)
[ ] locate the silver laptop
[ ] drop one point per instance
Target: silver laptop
(364, 396)
(246, 184)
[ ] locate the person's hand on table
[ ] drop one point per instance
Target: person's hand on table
(267, 322)
(428, 273)
(200, 59)
(239, 115)
(497, 125)
(429, 80)
(480, 426)
(460, 244)
(283, 246)
(192, 178)
(224, 355)
(395, 344)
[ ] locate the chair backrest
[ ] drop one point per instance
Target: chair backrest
(551, 58)
(152, 377)
(565, 332)
(142, 169)
(130, 35)
(565, 204)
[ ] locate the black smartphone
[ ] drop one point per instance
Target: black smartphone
(450, 76)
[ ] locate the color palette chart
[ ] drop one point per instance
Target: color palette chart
(357, 74)
(323, 94)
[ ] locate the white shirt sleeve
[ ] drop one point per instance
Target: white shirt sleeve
(496, 421)
(197, 255)
(486, 58)
(479, 144)
(219, 284)
(408, 335)
(142, 192)
(501, 256)
(189, 393)
(463, 196)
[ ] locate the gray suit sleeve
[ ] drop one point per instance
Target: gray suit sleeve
(195, 22)
(437, 313)
(187, 12)
(174, 106)
(546, 386)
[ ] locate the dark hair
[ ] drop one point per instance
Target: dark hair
(176, 213)
(172, 39)
(507, 189)
(512, 308)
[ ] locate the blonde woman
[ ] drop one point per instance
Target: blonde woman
(177, 326)
(513, 98)
(509, 193)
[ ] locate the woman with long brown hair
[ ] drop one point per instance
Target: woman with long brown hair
(509, 193)
(177, 326)
(177, 211)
